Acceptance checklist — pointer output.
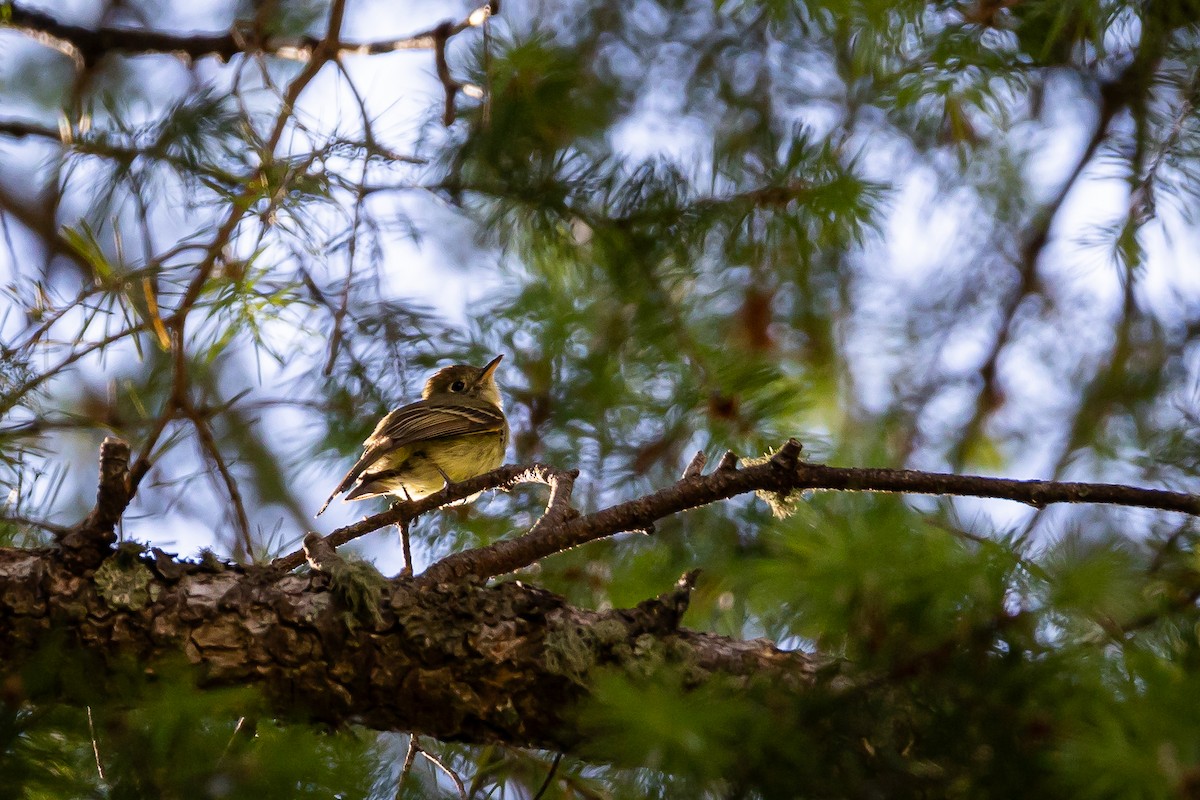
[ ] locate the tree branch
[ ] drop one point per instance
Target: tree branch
(404, 513)
(92, 45)
(561, 528)
(506, 663)
(783, 473)
(438, 654)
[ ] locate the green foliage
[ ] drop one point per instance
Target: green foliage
(157, 735)
(1099, 580)
(867, 581)
(276, 761)
(947, 673)
(926, 738)
(545, 101)
(1127, 744)
(1054, 32)
(38, 762)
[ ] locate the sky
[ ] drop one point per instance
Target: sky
(399, 88)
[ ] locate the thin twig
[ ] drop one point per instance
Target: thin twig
(90, 45)
(173, 404)
(440, 36)
(210, 448)
(406, 547)
(1163, 551)
(244, 728)
(1179, 603)
(1141, 197)
(561, 529)
(502, 479)
(325, 51)
(414, 747)
(1027, 285)
(558, 506)
(437, 762)
(34, 523)
(75, 355)
(409, 757)
(143, 463)
(336, 334)
(95, 744)
(549, 776)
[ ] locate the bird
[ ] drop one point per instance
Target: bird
(457, 430)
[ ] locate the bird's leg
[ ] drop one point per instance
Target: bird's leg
(445, 477)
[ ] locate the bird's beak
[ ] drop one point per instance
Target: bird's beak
(491, 367)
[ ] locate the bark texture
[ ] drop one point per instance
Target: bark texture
(502, 663)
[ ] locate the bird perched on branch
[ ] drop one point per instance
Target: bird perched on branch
(457, 430)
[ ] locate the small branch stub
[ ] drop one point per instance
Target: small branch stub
(320, 555)
(788, 456)
(695, 466)
(668, 608)
(89, 543)
(112, 495)
(728, 462)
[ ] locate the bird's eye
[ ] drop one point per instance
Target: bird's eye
(457, 386)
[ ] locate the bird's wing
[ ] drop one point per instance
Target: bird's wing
(433, 420)
(417, 422)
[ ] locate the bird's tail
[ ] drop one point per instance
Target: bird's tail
(347, 479)
(325, 505)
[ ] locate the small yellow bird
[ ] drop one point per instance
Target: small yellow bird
(457, 430)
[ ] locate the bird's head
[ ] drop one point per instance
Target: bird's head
(463, 380)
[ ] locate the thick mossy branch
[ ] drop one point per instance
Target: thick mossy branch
(505, 663)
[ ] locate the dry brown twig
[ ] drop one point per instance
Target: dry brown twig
(562, 528)
(414, 747)
(88, 45)
(406, 512)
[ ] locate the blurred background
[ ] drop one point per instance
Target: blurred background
(910, 235)
(955, 236)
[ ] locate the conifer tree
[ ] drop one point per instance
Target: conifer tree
(850, 356)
